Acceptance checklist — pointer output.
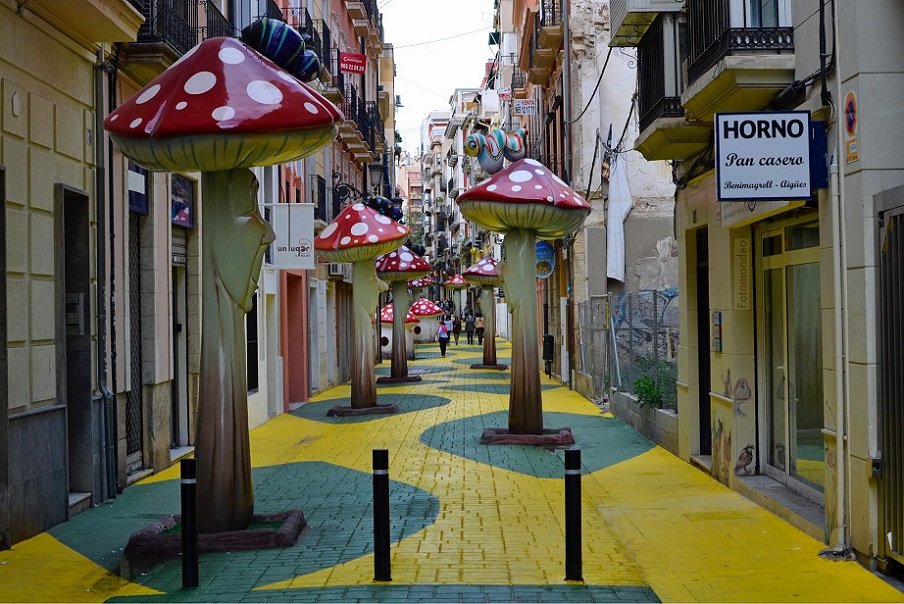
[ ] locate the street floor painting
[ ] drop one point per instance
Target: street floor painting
(337, 503)
(501, 388)
(608, 441)
(406, 402)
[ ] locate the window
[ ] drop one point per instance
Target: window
(251, 359)
(763, 13)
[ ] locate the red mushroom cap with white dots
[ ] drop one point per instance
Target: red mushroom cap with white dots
(386, 316)
(485, 272)
(401, 265)
(359, 233)
(526, 195)
(456, 282)
(425, 308)
(422, 282)
(222, 106)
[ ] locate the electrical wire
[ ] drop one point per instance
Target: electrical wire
(467, 33)
(595, 88)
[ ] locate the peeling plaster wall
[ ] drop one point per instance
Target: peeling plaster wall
(651, 254)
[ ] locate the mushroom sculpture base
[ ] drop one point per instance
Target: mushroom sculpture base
(386, 379)
(232, 249)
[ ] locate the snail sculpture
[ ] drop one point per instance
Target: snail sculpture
(492, 149)
(285, 46)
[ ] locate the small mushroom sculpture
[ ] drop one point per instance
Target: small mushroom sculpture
(524, 201)
(358, 235)
(388, 337)
(456, 282)
(424, 308)
(396, 268)
(485, 274)
(219, 110)
(416, 285)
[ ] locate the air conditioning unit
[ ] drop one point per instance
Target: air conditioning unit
(335, 270)
(630, 19)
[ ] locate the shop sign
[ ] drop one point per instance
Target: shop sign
(505, 94)
(293, 224)
(763, 156)
(350, 62)
(546, 260)
(524, 107)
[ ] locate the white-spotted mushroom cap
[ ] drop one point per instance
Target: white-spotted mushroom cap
(456, 282)
(386, 316)
(485, 272)
(424, 281)
(425, 308)
(222, 106)
(401, 265)
(359, 233)
(525, 195)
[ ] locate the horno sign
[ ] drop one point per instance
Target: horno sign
(763, 156)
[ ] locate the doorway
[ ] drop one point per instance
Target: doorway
(5, 539)
(790, 345)
(134, 400)
(180, 434)
(704, 370)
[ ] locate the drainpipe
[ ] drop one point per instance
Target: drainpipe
(569, 162)
(100, 188)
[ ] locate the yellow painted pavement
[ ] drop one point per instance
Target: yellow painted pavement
(651, 520)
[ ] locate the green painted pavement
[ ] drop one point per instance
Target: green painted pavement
(407, 403)
(337, 503)
(603, 442)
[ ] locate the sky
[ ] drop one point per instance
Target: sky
(440, 45)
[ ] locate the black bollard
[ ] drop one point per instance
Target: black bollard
(382, 571)
(573, 544)
(189, 523)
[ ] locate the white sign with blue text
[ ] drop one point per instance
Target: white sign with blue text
(763, 156)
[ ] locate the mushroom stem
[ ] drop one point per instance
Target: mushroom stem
(489, 325)
(232, 250)
(399, 311)
(519, 272)
(366, 288)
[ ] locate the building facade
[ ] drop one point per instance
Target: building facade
(788, 380)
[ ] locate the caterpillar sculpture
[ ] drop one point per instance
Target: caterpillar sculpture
(492, 149)
(285, 46)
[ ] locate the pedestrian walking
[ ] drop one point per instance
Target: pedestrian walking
(469, 328)
(442, 336)
(456, 328)
(447, 319)
(478, 328)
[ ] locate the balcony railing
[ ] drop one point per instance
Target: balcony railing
(551, 13)
(271, 10)
(658, 73)
(217, 24)
(519, 79)
(324, 51)
(710, 37)
(338, 77)
(174, 22)
(319, 199)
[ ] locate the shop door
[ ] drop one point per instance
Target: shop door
(891, 381)
(703, 356)
(134, 404)
(791, 357)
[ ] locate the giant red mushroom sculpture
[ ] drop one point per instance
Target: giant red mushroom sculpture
(525, 201)
(485, 274)
(221, 109)
(358, 235)
(396, 268)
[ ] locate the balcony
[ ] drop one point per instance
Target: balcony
(663, 132)
(541, 60)
(334, 90)
(90, 20)
(630, 19)
(519, 84)
(357, 130)
(552, 30)
(323, 210)
(171, 29)
(734, 68)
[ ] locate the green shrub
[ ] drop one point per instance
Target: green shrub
(648, 393)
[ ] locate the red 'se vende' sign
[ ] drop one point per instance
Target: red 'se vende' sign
(352, 63)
